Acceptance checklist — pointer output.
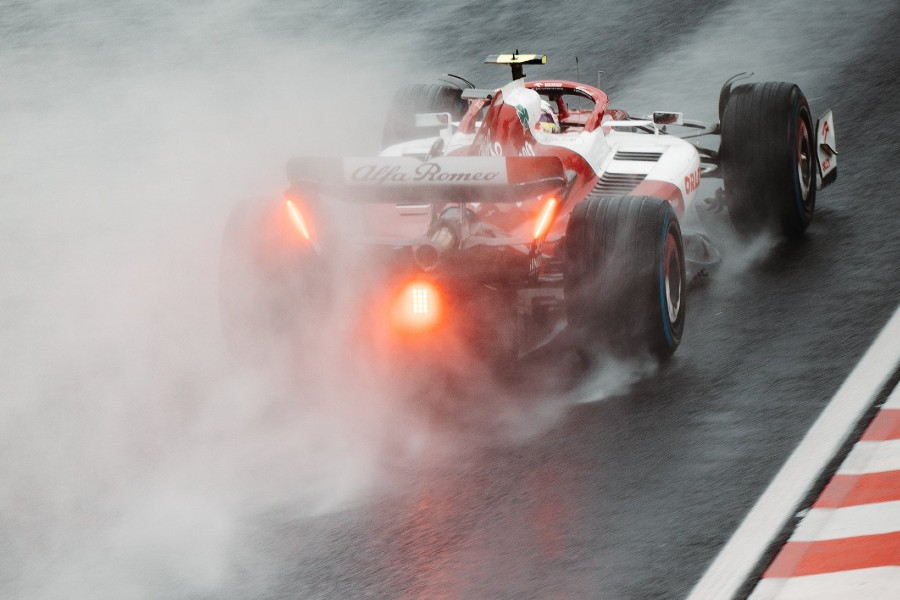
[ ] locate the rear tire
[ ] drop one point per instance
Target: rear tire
(400, 125)
(624, 275)
(768, 159)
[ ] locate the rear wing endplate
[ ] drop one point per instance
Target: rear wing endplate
(436, 181)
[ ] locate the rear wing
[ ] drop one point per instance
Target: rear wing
(448, 179)
(516, 62)
(516, 59)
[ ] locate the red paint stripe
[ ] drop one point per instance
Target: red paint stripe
(885, 426)
(664, 190)
(797, 559)
(855, 490)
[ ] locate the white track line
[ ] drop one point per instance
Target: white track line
(734, 564)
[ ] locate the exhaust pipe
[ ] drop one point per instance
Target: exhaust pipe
(428, 256)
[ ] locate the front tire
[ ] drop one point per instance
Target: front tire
(768, 159)
(624, 276)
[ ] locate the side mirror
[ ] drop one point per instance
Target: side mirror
(668, 118)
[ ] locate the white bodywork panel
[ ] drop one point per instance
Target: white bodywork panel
(679, 163)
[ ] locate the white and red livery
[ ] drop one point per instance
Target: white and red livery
(511, 216)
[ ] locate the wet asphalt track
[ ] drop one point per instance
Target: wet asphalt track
(631, 496)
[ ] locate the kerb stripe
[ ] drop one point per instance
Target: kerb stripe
(798, 559)
(855, 490)
(885, 426)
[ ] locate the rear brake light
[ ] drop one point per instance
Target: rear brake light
(545, 217)
(417, 308)
(297, 218)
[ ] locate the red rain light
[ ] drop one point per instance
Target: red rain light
(418, 307)
(297, 218)
(545, 217)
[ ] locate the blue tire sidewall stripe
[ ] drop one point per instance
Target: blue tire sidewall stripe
(663, 305)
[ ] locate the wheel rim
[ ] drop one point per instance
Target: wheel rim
(672, 278)
(804, 161)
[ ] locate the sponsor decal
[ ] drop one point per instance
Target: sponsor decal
(523, 116)
(496, 149)
(426, 172)
(491, 149)
(825, 129)
(692, 182)
(826, 164)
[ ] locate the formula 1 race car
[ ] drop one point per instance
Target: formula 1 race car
(510, 217)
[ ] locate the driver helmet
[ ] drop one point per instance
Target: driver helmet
(548, 121)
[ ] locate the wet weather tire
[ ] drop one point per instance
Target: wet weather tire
(768, 159)
(624, 275)
(400, 125)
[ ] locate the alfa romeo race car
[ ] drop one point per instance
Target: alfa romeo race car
(511, 217)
